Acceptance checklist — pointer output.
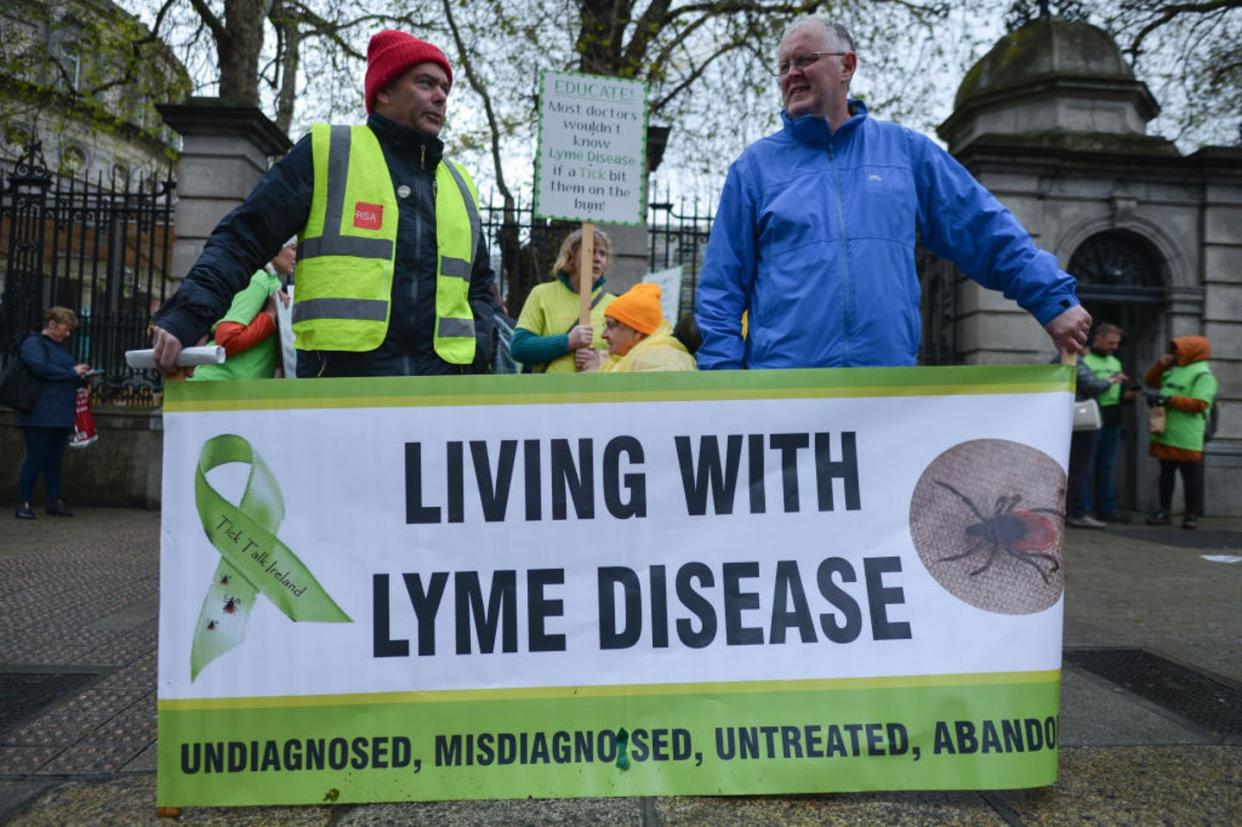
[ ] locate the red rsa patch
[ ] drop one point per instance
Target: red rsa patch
(368, 216)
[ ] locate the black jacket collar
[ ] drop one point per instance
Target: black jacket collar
(417, 147)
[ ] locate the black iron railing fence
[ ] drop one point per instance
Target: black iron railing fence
(101, 248)
(524, 247)
(678, 236)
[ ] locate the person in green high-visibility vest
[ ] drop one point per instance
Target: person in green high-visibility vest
(393, 275)
(248, 332)
(1187, 390)
(1101, 357)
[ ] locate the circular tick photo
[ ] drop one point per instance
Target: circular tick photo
(987, 519)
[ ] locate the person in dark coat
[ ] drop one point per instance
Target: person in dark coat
(1082, 444)
(48, 426)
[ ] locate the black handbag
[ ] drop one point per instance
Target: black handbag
(19, 387)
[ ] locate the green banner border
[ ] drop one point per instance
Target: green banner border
(930, 716)
(548, 389)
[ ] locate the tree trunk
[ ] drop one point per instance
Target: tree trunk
(599, 43)
(287, 95)
(239, 49)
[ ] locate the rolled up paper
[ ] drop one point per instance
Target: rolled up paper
(188, 357)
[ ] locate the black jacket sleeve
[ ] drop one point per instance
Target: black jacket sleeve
(241, 243)
(483, 306)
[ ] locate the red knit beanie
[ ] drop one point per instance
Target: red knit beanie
(390, 53)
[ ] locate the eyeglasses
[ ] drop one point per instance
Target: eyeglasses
(803, 62)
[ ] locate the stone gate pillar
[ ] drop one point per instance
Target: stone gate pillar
(225, 151)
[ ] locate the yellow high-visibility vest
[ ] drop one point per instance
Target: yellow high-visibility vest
(343, 280)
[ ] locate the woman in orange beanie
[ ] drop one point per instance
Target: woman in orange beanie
(639, 338)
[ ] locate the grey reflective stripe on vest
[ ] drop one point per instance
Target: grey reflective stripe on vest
(364, 310)
(332, 243)
(456, 267)
(345, 245)
(456, 328)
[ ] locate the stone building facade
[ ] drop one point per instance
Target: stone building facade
(83, 77)
(1053, 121)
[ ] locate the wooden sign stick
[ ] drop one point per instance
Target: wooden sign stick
(586, 279)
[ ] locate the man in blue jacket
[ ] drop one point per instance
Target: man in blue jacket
(393, 275)
(817, 224)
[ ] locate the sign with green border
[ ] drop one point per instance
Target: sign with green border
(728, 583)
(591, 157)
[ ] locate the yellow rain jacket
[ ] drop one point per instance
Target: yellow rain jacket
(659, 351)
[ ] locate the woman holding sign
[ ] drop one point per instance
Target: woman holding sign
(548, 337)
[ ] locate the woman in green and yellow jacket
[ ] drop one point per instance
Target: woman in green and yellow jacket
(548, 337)
(1187, 391)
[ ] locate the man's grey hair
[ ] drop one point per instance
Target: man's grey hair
(829, 26)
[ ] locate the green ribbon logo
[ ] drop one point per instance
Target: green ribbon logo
(253, 560)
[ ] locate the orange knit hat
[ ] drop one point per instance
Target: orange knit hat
(638, 307)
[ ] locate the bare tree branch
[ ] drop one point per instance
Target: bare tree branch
(215, 24)
(480, 89)
(1167, 13)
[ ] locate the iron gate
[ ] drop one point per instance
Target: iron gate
(100, 248)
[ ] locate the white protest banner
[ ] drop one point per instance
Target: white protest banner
(734, 582)
(591, 163)
(670, 291)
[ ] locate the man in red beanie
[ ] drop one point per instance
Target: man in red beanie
(393, 275)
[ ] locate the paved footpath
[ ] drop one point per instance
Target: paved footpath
(1150, 736)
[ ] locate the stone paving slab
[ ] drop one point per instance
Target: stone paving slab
(1137, 785)
(16, 794)
(1095, 712)
(130, 800)
(22, 761)
(604, 812)
(1123, 592)
(82, 593)
(845, 809)
(91, 759)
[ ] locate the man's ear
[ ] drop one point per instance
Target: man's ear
(849, 65)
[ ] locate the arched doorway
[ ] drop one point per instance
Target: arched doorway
(1122, 279)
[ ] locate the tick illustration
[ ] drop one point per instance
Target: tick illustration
(211, 625)
(224, 580)
(1025, 535)
(230, 605)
